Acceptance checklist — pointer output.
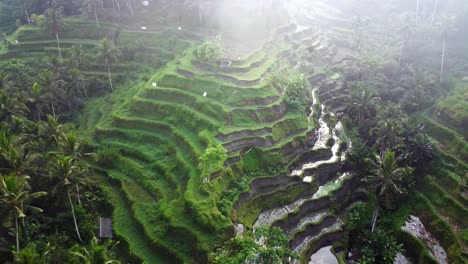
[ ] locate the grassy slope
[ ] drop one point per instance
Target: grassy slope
(441, 200)
(155, 131)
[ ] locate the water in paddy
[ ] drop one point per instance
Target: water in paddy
(401, 259)
(323, 256)
(414, 226)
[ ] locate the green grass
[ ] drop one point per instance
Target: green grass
(439, 201)
(448, 138)
(155, 132)
(128, 230)
(454, 106)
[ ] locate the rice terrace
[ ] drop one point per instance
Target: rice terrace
(234, 131)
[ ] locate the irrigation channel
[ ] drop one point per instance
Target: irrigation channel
(329, 137)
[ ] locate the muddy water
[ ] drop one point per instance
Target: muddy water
(401, 259)
(414, 226)
(323, 256)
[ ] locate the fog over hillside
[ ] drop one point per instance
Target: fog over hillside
(233, 131)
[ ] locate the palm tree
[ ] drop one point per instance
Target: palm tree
(51, 129)
(406, 28)
(76, 83)
(53, 89)
(384, 179)
(418, 4)
(362, 104)
(71, 145)
(55, 22)
(96, 253)
(434, 12)
(447, 24)
(11, 106)
(37, 102)
(359, 157)
(416, 149)
(12, 151)
(26, 5)
(90, 8)
(388, 126)
(109, 54)
(14, 195)
(199, 5)
(67, 172)
(359, 24)
(78, 59)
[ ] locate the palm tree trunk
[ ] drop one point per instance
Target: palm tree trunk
(58, 45)
(442, 61)
(74, 217)
(200, 16)
(53, 109)
(27, 16)
(129, 4)
(401, 52)
(417, 10)
(434, 12)
(382, 148)
(110, 78)
(17, 233)
(117, 3)
(374, 218)
(78, 194)
(84, 88)
(95, 16)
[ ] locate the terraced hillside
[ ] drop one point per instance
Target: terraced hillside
(159, 130)
(288, 165)
(143, 51)
(441, 201)
(302, 201)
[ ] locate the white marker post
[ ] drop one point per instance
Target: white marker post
(144, 28)
(205, 94)
(155, 84)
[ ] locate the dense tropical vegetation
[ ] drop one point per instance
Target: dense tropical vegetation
(171, 119)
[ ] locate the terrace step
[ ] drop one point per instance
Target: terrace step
(124, 226)
(131, 122)
(136, 136)
(210, 106)
(163, 108)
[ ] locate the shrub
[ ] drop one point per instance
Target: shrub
(38, 20)
(209, 51)
(297, 98)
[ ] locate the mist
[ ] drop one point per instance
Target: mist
(234, 131)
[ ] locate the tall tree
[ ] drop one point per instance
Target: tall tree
(388, 126)
(362, 104)
(109, 53)
(95, 252)
(90, 7)
(14, 195)
(384, 179)
(26, 6)
(359, 25)
(406, 27)
(67, 172)
(71, 145)
(434, 12)
(55, 22)
(447, 25)
(79, 59)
